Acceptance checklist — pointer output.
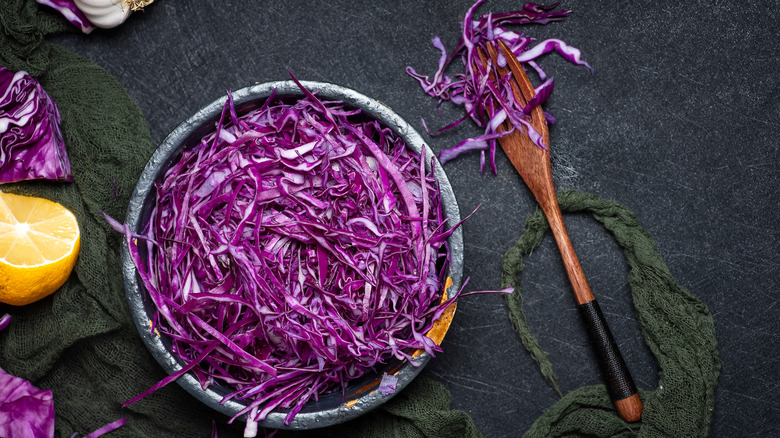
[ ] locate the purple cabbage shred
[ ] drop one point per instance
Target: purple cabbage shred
(110, 427)
(477, 93)
(388, 385)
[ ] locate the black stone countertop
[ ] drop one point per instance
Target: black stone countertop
(678, 122)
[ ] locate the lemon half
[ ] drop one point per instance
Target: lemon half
(39, 244)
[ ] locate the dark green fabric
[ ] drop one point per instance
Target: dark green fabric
(422, 410)
(80, 342)
(677, 327)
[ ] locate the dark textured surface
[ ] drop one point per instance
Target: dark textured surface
(678, 123)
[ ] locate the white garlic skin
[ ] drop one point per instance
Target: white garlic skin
(104, 13)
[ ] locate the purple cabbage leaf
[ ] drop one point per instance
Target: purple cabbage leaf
(71, 12)
(31, 142)
(25, 411)
(28, 412)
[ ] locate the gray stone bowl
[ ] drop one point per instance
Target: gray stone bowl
(361, 394)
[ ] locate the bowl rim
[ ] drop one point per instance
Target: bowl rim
(159, 162)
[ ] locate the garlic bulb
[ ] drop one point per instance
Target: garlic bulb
(109, 13)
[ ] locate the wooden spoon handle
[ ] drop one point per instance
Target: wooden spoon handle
(617, 378)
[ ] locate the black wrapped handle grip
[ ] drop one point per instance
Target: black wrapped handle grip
(617, 378)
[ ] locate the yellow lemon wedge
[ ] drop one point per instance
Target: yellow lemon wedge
(39, 244)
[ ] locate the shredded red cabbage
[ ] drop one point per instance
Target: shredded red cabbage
(31, 143)
(477, 93)
(389, 384)
(110, 427)
(295, 248)
(71, 12)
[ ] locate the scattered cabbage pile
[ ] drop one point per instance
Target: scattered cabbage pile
(477, 93)
(31, 143)
(293, 249)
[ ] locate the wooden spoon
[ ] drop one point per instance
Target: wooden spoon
(533, 164)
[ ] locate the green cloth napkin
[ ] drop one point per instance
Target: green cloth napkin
(676, 326)
(81, 342)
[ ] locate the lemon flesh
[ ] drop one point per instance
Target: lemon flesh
(39, 245)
